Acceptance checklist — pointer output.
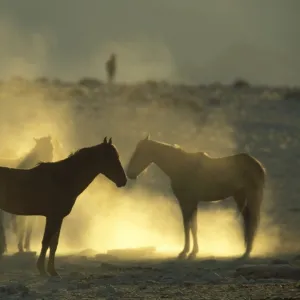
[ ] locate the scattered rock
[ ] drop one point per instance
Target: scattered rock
(293, 94)
(278, 261)
(72, 287)
(211, 277)
(109, 290)
(14, 288)
(109, 267)
(83, 285)
(87, 252)
(76, 275)
(105, 257)
(214, 101)
(91, 83)
(241, 279)
(297, 257)
(132, 252)
(269, 271)
(240, 83)
(189, 283)
(54, 279)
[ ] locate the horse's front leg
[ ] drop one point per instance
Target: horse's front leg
(53, 225)
(187, 213)
(53, 246)
(194, 230)
(186, 248)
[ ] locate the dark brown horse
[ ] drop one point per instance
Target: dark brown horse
(197, 177)
(41, 152)
(51, 189)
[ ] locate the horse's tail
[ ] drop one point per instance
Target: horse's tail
(3, 247)
(253, 196)
(251, 215)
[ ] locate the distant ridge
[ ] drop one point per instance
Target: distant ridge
(254, 64)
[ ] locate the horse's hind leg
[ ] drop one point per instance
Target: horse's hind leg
(17, 226)
(240, 199)
(28, 233)
(3, 247)
(53, 225)
(21, 225)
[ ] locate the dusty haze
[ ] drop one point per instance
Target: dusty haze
(196, 42)
(145, 213)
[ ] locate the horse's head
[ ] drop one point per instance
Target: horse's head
(111, 166)
(140, 159)
(44, 148)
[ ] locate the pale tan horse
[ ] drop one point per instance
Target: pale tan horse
(42, 151)
(197, 177)
(51, 190)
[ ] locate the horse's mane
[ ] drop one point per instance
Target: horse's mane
(176, 146)
(73, 154)
(179, 148)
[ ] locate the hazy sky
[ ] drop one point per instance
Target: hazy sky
(154, 38)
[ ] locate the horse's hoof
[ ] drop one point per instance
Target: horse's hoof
(243, 257)
(53, 273)
(192, 256)
(182, 255)
(43, 273)
(41, 268)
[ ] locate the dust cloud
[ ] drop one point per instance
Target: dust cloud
(145, 213)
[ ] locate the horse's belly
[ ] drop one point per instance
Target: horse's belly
(212, 194)
(206, 191)
(28, 199)
(23, 206)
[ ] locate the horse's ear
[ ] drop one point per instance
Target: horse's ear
(110, 141)
(147, 137)
(105, 140)
(35, 139)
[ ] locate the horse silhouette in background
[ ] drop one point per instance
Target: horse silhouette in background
(111, 68)
(197, 177)
(51, 189)
(41, 152)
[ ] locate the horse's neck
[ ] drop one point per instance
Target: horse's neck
(79, 175)
(167, 158)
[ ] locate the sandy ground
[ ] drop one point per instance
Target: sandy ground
(216, 119)
(151, 278)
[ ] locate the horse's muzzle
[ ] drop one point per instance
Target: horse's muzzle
(131, 176)
(121, 183)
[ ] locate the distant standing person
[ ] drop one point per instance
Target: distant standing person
(111, 68)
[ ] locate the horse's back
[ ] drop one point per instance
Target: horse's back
(22, 192)
(237, 170)
(253, 169)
